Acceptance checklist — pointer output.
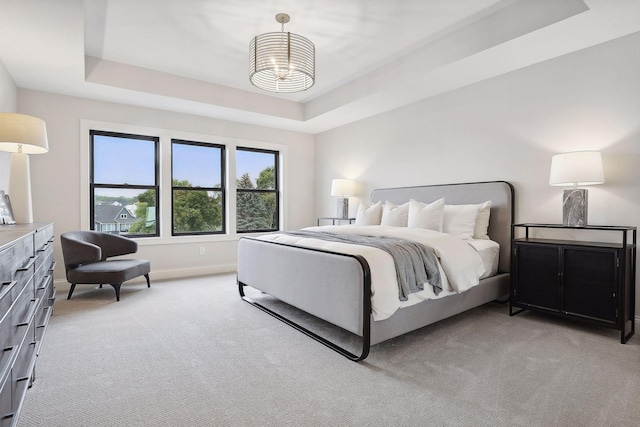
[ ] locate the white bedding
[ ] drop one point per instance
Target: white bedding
(461, 265)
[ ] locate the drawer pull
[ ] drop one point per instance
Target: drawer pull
(29, 265)
(46, 318)
(22, 379)
(53, 267)
(7, 366)
(32, 311)
(7, 286)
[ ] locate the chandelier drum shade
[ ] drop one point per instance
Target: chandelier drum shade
(282, 62)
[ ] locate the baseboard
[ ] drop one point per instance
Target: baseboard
(62, 284)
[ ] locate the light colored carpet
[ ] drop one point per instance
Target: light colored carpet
(191, 353)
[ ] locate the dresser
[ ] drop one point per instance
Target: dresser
(26, 301)
(590, 281)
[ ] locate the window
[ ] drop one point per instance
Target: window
(124, 183)
(197, 176)
(257, 196)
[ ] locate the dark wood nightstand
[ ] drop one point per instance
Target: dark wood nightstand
(335, 219)
(590, 281)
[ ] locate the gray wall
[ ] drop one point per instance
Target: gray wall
(507, 128)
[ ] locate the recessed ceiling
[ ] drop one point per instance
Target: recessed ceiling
(371, 55)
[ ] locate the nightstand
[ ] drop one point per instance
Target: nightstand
(590, 281)
(335, 219)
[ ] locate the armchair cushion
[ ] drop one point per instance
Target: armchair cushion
(113, 271)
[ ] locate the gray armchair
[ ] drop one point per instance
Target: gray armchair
(85, 259)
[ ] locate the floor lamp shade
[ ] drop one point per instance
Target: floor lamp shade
(22, 135)
(574, 169)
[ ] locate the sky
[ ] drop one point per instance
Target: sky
(131, 161)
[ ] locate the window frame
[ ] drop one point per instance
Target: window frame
(156, 177)
(275, 191)
(222, 189)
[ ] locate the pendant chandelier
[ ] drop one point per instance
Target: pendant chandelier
(282, 62)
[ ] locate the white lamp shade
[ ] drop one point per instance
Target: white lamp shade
(576, 168)
(22, 133)
(342, 187)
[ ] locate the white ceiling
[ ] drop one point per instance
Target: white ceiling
(371, 55)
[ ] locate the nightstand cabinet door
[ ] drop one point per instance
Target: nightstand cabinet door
(537, 276)
(590, 283)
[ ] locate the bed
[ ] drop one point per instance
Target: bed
(335, 286)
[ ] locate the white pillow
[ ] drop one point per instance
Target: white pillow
(369, 215)
(423, 215)
(460, 220)
(395, 215)
(482, 221)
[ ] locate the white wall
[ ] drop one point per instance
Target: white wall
(8, 102)
(507, 128)
(56, 176)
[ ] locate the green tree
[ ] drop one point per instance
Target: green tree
(267, 180)
(194, 210)
(146, 200)
(148, 197)
(251, 213)
(141, 226)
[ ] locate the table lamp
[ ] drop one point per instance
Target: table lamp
(343, 188)
(22, 135)
(574, 169)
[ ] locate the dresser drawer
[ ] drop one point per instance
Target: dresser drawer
(16, 256)
(21, 295)
(9, 291)
(43, 314)
(22, 371)
(5, 390)
(43, 236)
(24, 276)
(22, 315)
(40, 277)
(26, 355)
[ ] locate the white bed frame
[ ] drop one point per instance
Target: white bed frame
(336, 287)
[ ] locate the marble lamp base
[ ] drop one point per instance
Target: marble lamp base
(343, 208)
(574, 207)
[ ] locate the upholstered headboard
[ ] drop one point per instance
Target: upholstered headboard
(500, 193)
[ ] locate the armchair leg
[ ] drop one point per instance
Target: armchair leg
(147, 277)
(73, 286)
(116, 286)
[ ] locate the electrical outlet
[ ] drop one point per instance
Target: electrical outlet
(201, 250)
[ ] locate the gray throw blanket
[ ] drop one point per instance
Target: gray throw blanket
(415, 263)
